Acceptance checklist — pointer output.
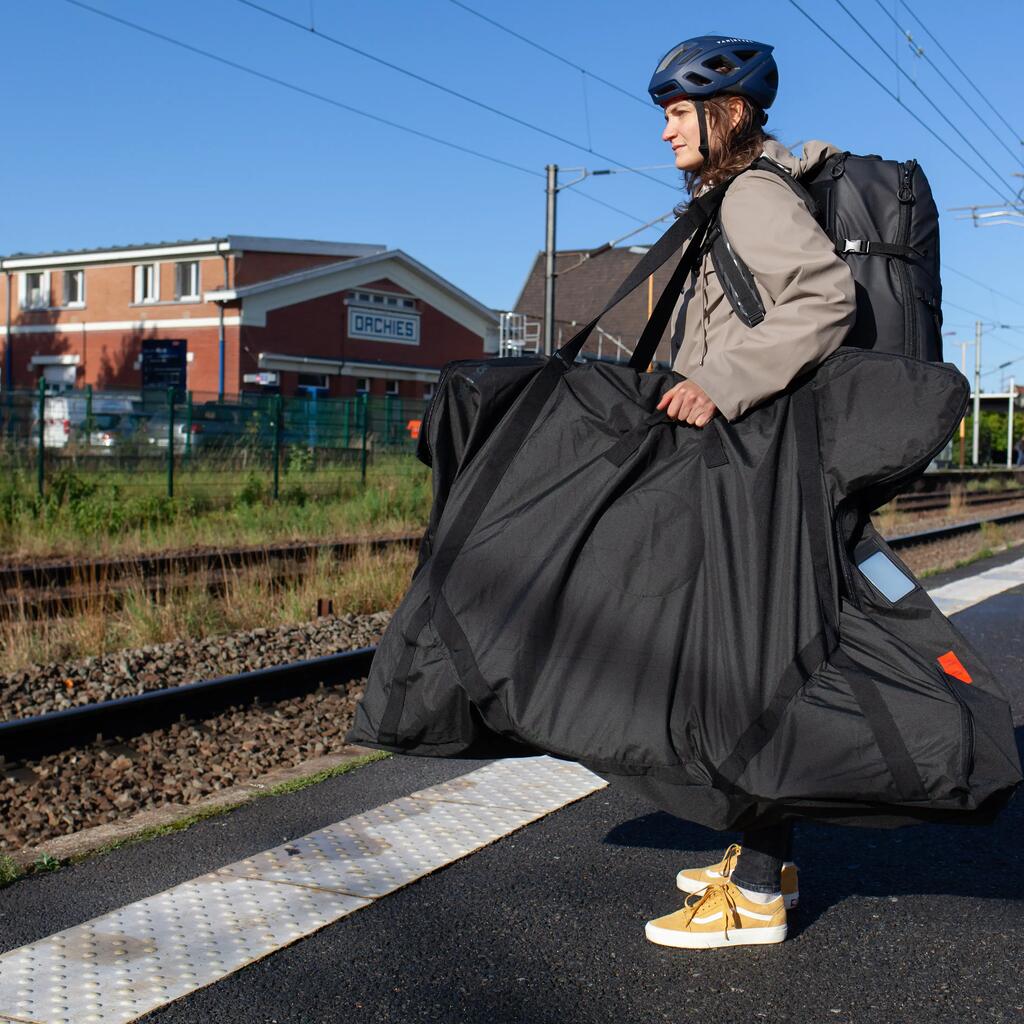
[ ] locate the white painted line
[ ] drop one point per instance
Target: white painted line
(122, 965)
(961, 594)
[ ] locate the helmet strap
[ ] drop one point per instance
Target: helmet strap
(702, 125)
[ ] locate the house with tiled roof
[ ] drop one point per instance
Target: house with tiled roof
(584, 283)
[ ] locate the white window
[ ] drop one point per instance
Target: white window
(74, 287)
(428, 391)
(392, 388)
(362, 385)
(409, 303)
(147, 282)
(35, 289)
(186, 280)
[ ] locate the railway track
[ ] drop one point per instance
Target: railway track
(48, 591)
(25, 739)
(928, 501)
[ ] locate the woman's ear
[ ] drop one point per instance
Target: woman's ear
(736, 110)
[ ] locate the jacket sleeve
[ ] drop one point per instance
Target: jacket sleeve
(806, 289)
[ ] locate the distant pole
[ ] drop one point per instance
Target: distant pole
(549, 259)
(170, 442)
(977, 390)
(278, 417)
(40, 470)
(1009, 430)
(963, 419)
(366, 434)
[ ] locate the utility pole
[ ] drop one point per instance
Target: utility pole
(549, 259)
(963, 419)
(977, 390)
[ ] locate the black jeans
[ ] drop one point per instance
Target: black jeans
(759, 867)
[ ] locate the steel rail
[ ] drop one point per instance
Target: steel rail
(63, 574)
(909, 540)
(32, 737)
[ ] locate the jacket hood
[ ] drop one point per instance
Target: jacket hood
(814, 155)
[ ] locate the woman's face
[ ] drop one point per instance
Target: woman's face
(682, 132)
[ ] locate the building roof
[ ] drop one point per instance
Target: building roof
(196, 246)
(261, 297)
(582, 289)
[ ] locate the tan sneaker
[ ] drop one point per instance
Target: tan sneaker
(720, 916)
(698, 879)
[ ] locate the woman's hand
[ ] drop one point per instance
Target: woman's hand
(688, 402)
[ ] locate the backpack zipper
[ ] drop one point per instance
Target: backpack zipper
(905, 195)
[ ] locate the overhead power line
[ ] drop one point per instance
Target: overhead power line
(981, 284)
(967, 103)
(311, 94)
(967, 77)
(550, 53)
(300, 89)
(881, 85)
(888, 56)
(335, 41)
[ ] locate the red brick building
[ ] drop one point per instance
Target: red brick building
(233, 314)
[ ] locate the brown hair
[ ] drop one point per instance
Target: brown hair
(730, 149)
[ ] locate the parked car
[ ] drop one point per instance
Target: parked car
(65, 418)
(155, 432)
(112, 431)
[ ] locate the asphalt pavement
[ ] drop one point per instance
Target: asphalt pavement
(922, 924)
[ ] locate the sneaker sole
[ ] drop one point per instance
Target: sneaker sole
(711, 940)
(690, 885)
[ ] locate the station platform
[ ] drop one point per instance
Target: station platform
(516, 891)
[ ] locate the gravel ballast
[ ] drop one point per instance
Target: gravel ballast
(44, 688)
(181, 765)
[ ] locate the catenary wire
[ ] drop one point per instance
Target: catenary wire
(335, 103)
(967, 103)
(981, 284)
(881, 85)
(335, 41)
(299, 89)
(938, 110)
(550, 53)
(967, 77)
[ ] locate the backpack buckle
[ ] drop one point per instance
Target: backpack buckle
(858, 245)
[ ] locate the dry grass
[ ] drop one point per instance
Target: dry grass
(252, 598)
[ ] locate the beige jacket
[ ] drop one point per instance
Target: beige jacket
(806, 290)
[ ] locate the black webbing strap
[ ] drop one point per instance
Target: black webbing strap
(387, 733)
(812, 494)
(905, 775)
(712, 449)
(761, 730)
(662, 312)
(865, 247)
(471, 679)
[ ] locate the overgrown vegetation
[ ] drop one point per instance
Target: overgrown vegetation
(114, 513)
(253, 598)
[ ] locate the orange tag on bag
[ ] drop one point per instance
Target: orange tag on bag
(952, 666)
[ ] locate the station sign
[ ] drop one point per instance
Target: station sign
(381, 325)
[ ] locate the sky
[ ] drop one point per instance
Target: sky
(116, 137)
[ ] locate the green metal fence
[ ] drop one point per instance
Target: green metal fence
(168, 441)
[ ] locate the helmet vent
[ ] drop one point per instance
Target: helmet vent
(772, 79)
(719, 63)
(694, 79)
(745, 55)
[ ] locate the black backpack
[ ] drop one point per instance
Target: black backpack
(883, 220)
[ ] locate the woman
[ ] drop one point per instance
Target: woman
(715, 91)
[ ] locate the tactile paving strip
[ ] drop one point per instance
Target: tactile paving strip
(961, 594)
(375, 853)
(122, 965)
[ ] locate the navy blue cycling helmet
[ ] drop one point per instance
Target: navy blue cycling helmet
(705, 66)
(712, 65)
